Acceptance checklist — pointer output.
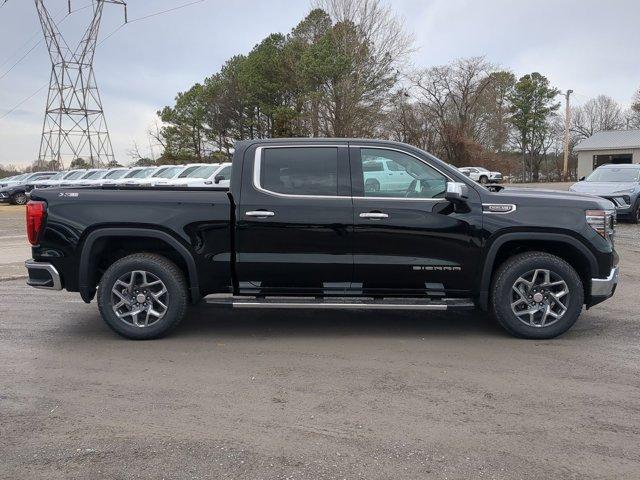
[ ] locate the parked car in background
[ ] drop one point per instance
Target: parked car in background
(161, 173)
(76, 180)
(114, 175)
(181, 178)
(137, 175)
(15, 192)
(221, 177)
(384, 175)
(617, 183)
(5, 181)
(481, 175)
(69, 176)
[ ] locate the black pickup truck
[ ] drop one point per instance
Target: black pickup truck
(318, 223)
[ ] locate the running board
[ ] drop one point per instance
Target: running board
(343, 303)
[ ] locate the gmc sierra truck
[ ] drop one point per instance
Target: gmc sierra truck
(298, 228)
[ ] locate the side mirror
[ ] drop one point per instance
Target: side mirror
(456, 192)
(582, 179)
(467, 173)
(218, 179)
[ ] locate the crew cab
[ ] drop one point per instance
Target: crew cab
(298, 228)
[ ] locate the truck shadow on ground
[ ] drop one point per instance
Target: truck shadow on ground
(206, 320)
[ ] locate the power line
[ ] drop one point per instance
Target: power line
(24, 101)
(162, 12)
(37, 44)
(101, 42)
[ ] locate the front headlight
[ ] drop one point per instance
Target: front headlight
(602, 221)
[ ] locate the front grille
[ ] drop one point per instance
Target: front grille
(622, 201)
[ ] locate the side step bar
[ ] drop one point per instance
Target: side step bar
(343, 303)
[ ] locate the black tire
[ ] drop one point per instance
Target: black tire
(176, 299)
(372, 185)
(19, 198)
(484, 179)
(518, 266)
(635, 214)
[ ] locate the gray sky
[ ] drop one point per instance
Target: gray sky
(590, 46)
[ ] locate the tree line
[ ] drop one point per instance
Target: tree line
(342, 72)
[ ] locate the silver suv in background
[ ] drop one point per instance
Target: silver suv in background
(618, 183)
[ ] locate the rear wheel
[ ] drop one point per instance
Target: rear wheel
(19, 198)
(142, 296)
(372, 185)
(536, 295)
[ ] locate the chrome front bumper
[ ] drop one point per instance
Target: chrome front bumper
(603, 287)
(43, 275)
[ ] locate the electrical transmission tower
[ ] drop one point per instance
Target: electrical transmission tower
(74, 123)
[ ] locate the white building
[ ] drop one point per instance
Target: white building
(613, 146)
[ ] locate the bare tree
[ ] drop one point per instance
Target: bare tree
(454, 96)
(633, 115)
(598, 114)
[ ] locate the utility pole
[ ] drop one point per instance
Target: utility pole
(567, 123)
(74, 124)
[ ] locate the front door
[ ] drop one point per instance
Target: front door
(295, 220)
(407, 238)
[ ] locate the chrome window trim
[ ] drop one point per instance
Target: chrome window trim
(257, 164)
(513, 206)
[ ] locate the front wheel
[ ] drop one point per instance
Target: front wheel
(142, 296)
(484, 180)
(536, 295)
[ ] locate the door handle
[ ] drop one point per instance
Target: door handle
(374, 215)
(259, 213)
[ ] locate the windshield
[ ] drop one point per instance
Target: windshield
(136, 173)
(74, 175)
(159, 171)
(114, 174)
(204, 172)
(614, 175)
(93, 175)
(188, 171)
(170, 172)
(57, 176)
(147, 172)
(19, 177)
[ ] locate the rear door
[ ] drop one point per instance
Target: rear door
(295, 219)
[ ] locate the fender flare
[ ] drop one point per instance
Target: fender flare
(87, 292)
(487, 270)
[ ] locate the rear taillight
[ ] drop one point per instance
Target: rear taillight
(36, 212)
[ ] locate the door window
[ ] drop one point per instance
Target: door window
(225, 173)
(415, 179)
(300, 170)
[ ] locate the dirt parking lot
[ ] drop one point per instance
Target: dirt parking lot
(315, 395)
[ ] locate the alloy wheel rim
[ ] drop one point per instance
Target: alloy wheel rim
(539, 298)
(139, 298)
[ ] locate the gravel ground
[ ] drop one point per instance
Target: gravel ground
(312, 394)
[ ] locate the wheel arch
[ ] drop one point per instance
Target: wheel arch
(87, 278)
(564, 246)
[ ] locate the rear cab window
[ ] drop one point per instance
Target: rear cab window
(309, 171)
